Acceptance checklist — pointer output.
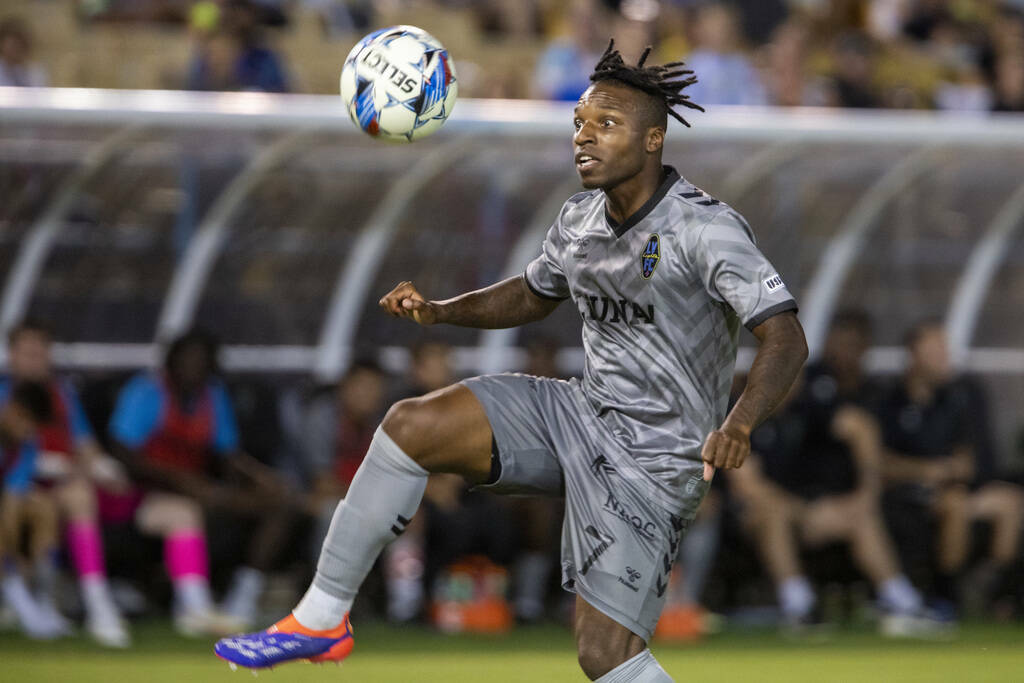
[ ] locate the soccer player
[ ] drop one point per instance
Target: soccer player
(71, 466)
(663, 276)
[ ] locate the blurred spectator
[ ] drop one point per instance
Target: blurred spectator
(1009, 82)
(963, 87)
(853, 76)
(515, 19)
(71, 464)
(16, 65)
(339, 426)
(144, 11)
(933, 425)
(815, 478)
(24, 408)
(564, 66)
(785, 74)
(724, 73)
(164, 427)
(341, 18)
(234, 56)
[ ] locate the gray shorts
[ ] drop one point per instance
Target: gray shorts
(619, 537)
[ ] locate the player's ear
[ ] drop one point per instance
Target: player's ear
(655, 139)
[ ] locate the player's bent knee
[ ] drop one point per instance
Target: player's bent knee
(78, 499)
(953, 502)
(409, 423)
(167, 514)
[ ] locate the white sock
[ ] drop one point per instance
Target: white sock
(244, 594)
(382, 499)
(898, 595)
(796, 597)
(99, 604)
(192, 594)
(643, 668)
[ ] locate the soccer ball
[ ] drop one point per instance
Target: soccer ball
(399, 84)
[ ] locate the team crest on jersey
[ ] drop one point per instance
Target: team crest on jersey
(650, 256)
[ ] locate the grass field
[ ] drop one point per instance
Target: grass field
(384, 654)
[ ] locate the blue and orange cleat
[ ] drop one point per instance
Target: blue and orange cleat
(287, 641)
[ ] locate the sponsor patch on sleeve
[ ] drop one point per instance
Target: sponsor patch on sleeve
(773, 283)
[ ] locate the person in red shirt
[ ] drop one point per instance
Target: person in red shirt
(175, 431)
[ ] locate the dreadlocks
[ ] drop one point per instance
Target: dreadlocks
(662, 83)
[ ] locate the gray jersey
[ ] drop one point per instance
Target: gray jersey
(662, 297)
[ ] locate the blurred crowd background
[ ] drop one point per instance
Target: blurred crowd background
(196, 490)
(965, 55)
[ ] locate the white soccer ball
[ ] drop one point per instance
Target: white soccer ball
(399, 84)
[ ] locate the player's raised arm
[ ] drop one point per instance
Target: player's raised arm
(508, 303)
(782, 352)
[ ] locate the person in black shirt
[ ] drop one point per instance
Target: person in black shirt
(818, 480)
(935, 433)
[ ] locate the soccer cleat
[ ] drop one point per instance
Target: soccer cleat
(287, 641)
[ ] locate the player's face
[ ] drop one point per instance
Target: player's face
(609, 140)
(30, 356)
(931, 355)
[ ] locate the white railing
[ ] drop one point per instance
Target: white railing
(293, 115)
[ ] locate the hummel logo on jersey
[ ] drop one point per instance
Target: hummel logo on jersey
(604, 309)
(773, 283)
(650, 256)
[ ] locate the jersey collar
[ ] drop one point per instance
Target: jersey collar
(670, 177)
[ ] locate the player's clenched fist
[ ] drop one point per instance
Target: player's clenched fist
(726, 448)
(405, 302)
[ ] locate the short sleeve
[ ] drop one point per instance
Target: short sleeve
(225, 434)
(137, 412)
(735, 272)
(544, 275)
(80, 427)
(19, 477)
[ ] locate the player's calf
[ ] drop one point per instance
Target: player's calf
(602, 644)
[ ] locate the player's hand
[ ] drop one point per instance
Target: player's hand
(727, 448)
(405, 302)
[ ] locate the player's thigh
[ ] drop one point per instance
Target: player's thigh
(41, 509)
(832, 518)
(77, 498)
(162, 513)
(444, 431)
(528, 417)
(997, 501)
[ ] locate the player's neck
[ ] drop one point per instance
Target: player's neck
(627, 197)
